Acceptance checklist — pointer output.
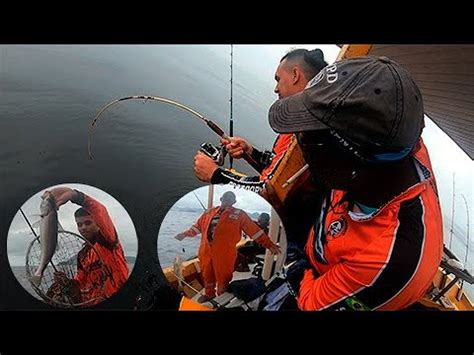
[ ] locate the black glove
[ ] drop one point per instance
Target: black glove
(294, 252)
(295, 273)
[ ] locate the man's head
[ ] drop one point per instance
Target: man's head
(296, 68)
(359, 112)
(86, 225)
(263, 220)
(228, 199)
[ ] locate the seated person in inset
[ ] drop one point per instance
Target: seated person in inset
(249, 250)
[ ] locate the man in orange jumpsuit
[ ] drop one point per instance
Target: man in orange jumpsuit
(95, 225)
(377, 241)
(221, 229)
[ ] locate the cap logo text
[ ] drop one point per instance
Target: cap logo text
(332, 75)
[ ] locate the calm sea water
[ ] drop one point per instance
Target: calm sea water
(168, 247)
(143, 152)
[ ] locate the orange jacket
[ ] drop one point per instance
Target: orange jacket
(266, 161)
(279, 149)
(222, 252)
(385, 260)
(90, 275)
(228, 230)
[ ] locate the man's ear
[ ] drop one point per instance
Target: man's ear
(296, 74)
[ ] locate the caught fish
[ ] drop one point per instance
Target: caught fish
(48, 235)
(178, 271)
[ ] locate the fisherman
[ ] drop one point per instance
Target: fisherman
(296, 68)
(292, 75)
(377, 242)
(221, 228)
(95, 225)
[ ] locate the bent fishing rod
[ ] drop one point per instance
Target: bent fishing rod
(212, 125)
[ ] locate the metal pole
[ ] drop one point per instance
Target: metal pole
(468, 225)
(452, 215)
(210, 196)
(231, 123)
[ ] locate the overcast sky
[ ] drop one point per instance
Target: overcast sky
(246, 200)
(20, 235)
(265, 59)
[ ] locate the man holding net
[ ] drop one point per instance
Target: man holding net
(101, 265)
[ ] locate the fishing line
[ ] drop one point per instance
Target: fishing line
(202, 205)
(231, 122)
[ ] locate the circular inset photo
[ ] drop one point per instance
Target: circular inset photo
(72, 245)
(223, 248)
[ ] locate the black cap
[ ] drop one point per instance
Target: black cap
(370, 100)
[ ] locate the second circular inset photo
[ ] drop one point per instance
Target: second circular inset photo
(223, 248)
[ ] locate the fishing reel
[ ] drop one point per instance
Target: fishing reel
(215, 153)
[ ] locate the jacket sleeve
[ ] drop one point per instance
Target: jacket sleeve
(337, 289)
(101, 217)
(253, 183)
(196, 228)
(226, 176)
(370, 276)
(254, 231)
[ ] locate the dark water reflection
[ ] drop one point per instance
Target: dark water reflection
(143, 152)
